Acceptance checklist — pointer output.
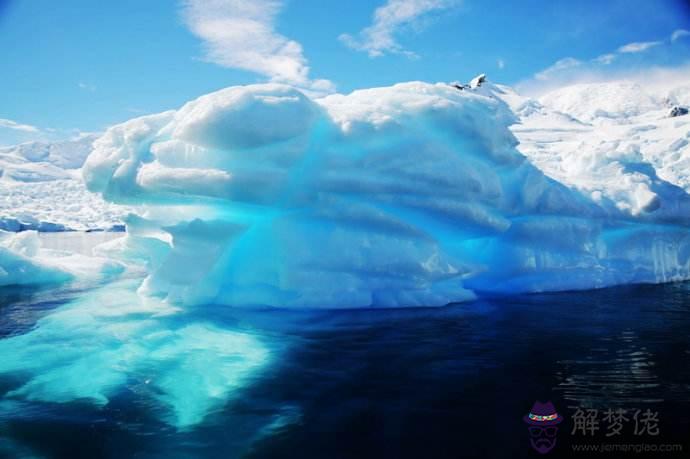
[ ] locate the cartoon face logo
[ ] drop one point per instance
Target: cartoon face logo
(542, 423)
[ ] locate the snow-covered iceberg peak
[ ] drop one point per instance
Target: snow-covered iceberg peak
(406, 195)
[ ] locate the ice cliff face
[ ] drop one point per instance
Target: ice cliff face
(408, 195)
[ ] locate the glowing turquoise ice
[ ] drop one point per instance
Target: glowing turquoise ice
(112, 339)
(409, 195)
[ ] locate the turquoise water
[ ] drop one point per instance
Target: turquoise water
(93, 372)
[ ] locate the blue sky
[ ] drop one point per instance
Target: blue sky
(80, 65)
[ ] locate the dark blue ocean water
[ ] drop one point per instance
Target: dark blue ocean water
(420, 383)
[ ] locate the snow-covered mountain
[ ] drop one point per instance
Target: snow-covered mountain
(67, 154)
(597, 102)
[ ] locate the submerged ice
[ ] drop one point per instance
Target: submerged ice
(407, 195)
(112, 340)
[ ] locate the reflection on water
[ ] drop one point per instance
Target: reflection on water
(618, 373)
(439, 382)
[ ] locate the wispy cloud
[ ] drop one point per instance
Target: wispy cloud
(396, 15)
(501, 64)
(9, 124)
(678, 34)
(638, 47)
(87, 86)
(623, 62)
(241, 34)
(606, 59)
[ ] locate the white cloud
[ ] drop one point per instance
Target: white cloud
(9, 124)
(606, 59)
(501, 64)
(380, 37)
(638, 47)
(87, 87)
(241, 34)
(678, 34)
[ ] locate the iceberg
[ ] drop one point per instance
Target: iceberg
(18, 267)
(412, 195)
(409, 195)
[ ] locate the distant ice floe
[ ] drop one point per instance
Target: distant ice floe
(41, 189)
(409, 195)
(23, 261)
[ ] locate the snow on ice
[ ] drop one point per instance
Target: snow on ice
(41, 189)
(409, 195)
